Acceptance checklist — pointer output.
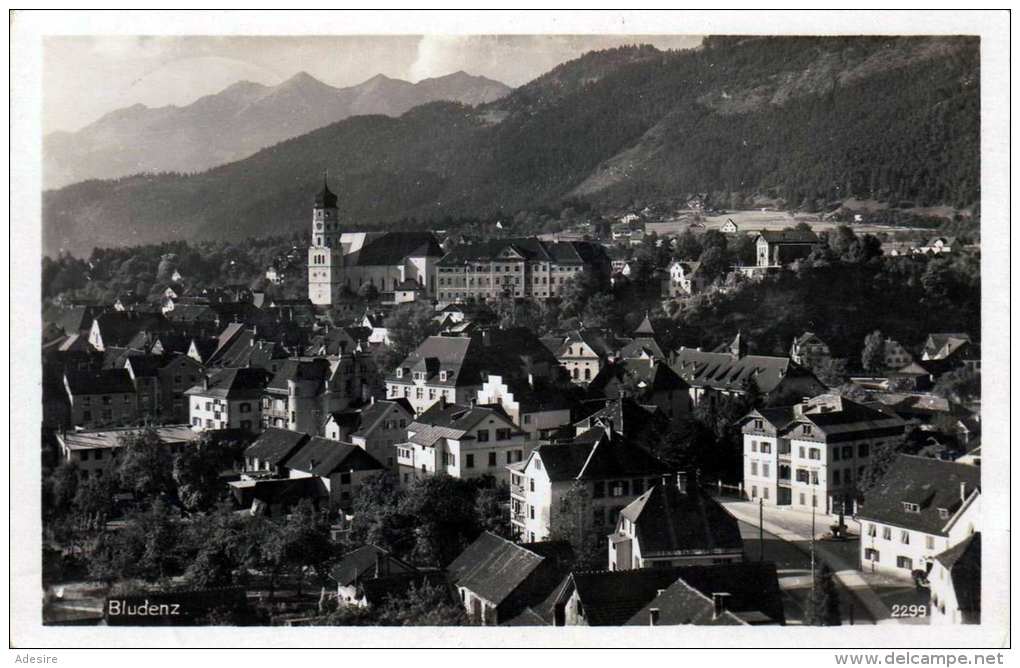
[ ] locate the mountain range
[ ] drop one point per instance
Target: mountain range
(807, 120)
(236, 122)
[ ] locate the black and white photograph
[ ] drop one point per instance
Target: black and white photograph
(643, 321)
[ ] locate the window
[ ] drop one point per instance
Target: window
(84, 455)
(863, 450)
(835, 454)
(835, 477)
(905, 562)
(929, 542)
(531, 512)
(469, 462)
(754, 492)
(619, 488)
(814, 477)
(527, 419)
(492, 459)
(483, 435)
(871, 554)
(246, 424)
(765, 493)
(766, 448)
(802, 498)
(345, 478)
(814, 453)
(886, 533)
(802, 476)
(807, 430)
(801, 452)
(531, 484)
(943, 513)
(905, 537)
(872, 530)
(848, 452)
(599, 490)
(759, 424)
(503, 434)
(911, 507)
(754, 446)
(765, 470)
(754, 468)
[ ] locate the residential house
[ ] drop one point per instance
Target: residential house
(177, 374)
(920, 508)
(812, 454)
(534, 408)
(516, 268)
(955, 583)
(375, 428)
(462, 441)
(304, 391)
(808, 350)
(342, 467)
(376, 322)
(734, 594)
(228, 399)
(362, 565)
(117, 328)
(685, 279)
(954, 348)
(778, 248)
(239, 346)
(640, 422)
(648, 381)
(97, 452)
(611, 467)
(500, 582)
(266, 456)
(894, 355)
(938, 246)
(582, 352)
(101, 398)
(729, 227)
(674, 523)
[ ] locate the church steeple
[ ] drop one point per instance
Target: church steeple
(325, 199)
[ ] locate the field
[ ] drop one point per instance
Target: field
(753, 221)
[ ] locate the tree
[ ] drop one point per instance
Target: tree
(146, 467)
(714, 262)
(376, 518)
(832, 371)
(883, 454)
(423, 605)
(574, 522)
(196, 471)
(407, 326)
(444, 516)
(63, 487)
(598, 312)
(688, 247)
(873, 355)
(962, 385)
(493, 508)
(368, 292)
(823, 603)
(306, 543)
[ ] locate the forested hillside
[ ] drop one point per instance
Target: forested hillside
(804, 120)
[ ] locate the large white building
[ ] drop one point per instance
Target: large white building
(344, 261)
(921, 508)
(228, 399)
(811, 455)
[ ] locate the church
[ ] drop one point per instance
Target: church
(345, 262)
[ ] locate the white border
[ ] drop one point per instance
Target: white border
(26, 31)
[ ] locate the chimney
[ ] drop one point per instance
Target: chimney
(963, 492)
(442, 402)
(718, 604)
(205, 381)
(653, 616)
(609, 429)
(681, 482)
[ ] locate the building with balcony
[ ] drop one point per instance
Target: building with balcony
(812, 454)
(228, 399)
(611, 468)
(305, 391)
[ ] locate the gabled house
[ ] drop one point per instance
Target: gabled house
(674, 524)
(534, 408)
(945, 346)
(304, 391)
(955, 583)
(265, 457)
(117, 328)
(648, 381)
(919, 509)
(500, 582)
(97, 452)
(611, 467)
(376, 428)
(363, 565)
(635, 420)
(729, 227)
(101, 398)
(938, 246)
(342, 467)
(582, 352)
(808, 350)
(684, 279)
(462, 441)
(778, 248)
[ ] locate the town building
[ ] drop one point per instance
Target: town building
(612, 468)
(503, 583)
(375, 428)
(117, 328)
(97, 452)
(647, 380)
(364, 571)
(674, 523)
(462, 441)
(938, 246)
(346, 262)
(685, 279)
(778, 248)
(305, 391)
(808, 350)
(342, 468)
(515, 268)
(729, 227)
(955, 583)
(812, 454)
(919, 509)
(535, 408)
(945, 346)
(894, 355)
(101, 398)
(582, 352)
(228, 399)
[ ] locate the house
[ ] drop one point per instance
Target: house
(408, 291)
(808, 350)
(684, 279)
(101, 398)
(715, 377)
(97, 452)
(640, 422)
(238, 346)
(375, 428)
(955, 583)
(375, 321)
(534, 408)
(454, 368)
(938, 246)
(462, 441)
(894, 355)
(735, 594)
(342, 467)
(276, 497)
(945, 346)
(729, 227)
(500, 582)
(611, 467)
(304, 391)
(724, 594)
(517, 268)
(919, 509)
(582, 352)
(265, 457)
(228, 399)
(812, 454)
(778, 248)
(176, 374)
(647, 380)
(117, 328)
(363, 564)
(144, 372)
(674, 523)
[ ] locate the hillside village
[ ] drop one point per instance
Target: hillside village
(597, 428)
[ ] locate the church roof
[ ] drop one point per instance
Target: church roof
(325, 199)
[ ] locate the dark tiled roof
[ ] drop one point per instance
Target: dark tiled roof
(627, 416)
(612, 598)
(964, 563)
(325, 199)
(531, 248)
(728, 372)
(596, 454)
(324, 457)
(300, 370)
(242, 383)
(790, 236)
(288, 491)
(668, 520)
(393, 248)
(648, 374)
(370, 416)
(104, 381)
(753, 587)
(275, 445)
(360, 564)
(119, 327)
(929, 483)
(74, 319)
(443, 420)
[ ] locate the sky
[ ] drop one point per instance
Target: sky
(87, 77)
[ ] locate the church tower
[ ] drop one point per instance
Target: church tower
(325, 255)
